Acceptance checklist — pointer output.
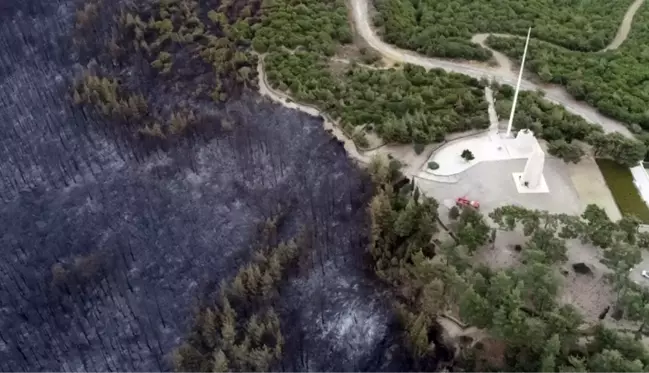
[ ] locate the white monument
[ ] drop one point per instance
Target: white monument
(525, 145)
(531, 180)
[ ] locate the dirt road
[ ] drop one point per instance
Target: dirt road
(502, 74)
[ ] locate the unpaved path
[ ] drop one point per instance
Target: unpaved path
(625, 26)
(412, 162)
(621, 35)
(502, 73)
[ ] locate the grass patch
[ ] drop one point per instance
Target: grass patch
(627, 197)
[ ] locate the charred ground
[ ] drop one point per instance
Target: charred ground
(109, 245)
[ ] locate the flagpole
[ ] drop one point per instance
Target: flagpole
(518, 86)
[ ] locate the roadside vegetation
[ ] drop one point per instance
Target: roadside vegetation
(409, 105)
(445, 28)
(627, 197)
(566, 133)
(526, 327)
(565, 39)
(614, 82)
(403, 105)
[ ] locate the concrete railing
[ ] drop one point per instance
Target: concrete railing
(425, 175)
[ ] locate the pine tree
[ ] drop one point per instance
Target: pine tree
(417, 333)
(220, 363)
(228, 324)
(208, 328)
(254, 330)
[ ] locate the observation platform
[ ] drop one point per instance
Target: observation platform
(486, 147)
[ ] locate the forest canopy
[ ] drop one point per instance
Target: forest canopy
(402, 105)
(528, 327)
(614, 82)
(566, 40)
(444, 28)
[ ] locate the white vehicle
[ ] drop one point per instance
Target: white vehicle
(645, 274)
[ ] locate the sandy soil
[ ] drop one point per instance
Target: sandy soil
(592, 188)
(625, 26)
(590, 294)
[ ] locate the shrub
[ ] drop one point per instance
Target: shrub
(419, 148)
(467, 155)
(360, 140)
(433, 165)
(454, 213)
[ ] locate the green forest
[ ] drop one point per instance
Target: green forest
(614, 82)
(565, 39)
(401, 105)
(528, 328)
(445, 28)
(563, 131)
(405, 105)
(317, 26)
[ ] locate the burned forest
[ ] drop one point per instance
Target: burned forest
(158, 214)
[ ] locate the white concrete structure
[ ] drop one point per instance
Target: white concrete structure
(489, 146)
(531, 180)
(533, 172)
(518, 85)
(526, 142)
(485, 147)
(641, 181)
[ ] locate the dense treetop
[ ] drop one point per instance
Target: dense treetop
(565, 39)
(614, 82)
(404, 105)
(444, 28)
(519, 307)
(313, 25)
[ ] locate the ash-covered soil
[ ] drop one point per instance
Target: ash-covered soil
(105, 247)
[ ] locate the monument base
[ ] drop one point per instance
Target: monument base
(541, 188)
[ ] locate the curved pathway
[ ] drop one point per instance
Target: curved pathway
(625, 26)
(502, 73)
(285, 100)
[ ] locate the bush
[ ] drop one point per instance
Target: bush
(433, 165)
(454, 213)
(568, 151)
(360, 140)
(467, 155)
(419, 148)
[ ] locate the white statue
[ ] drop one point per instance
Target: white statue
(526, 142)
(533, 172)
